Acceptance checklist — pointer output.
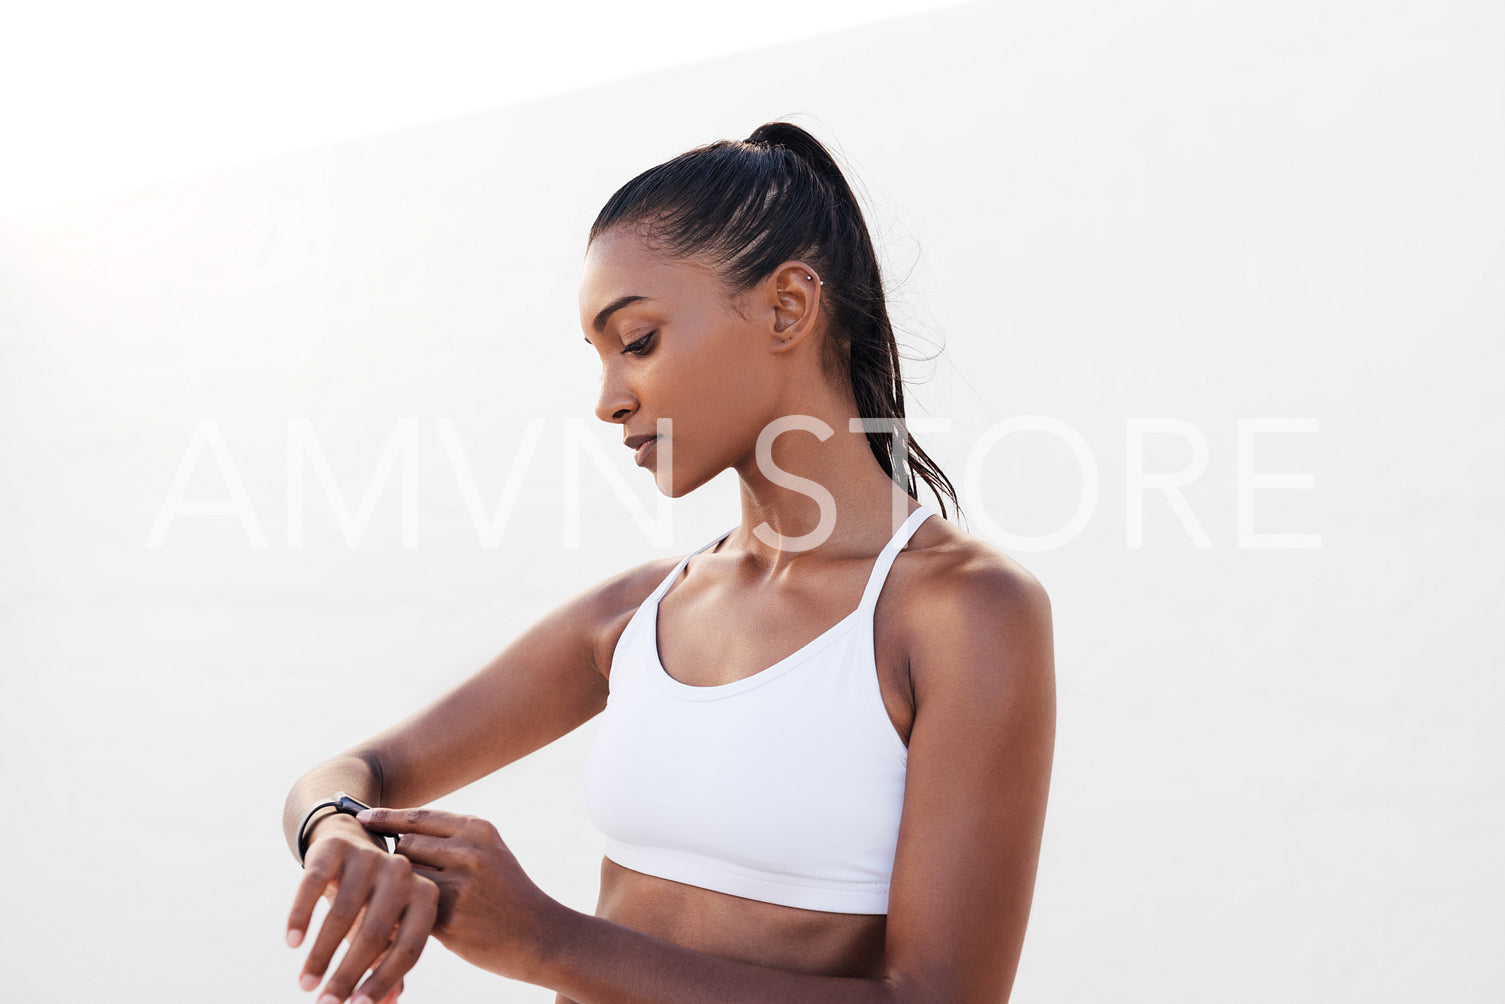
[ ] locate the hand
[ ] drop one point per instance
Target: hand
(490, 913)
(373, 893)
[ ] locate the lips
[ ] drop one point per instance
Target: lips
(643, 446)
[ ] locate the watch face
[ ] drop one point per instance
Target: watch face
(351, 805)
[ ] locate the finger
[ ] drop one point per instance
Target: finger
(378, 961)
(356, 922)
(407, 945)
(369, 940)
(355, 886)
(392, 997)
(437, 853)
(432, 821)
(447, 884)
(320, 874)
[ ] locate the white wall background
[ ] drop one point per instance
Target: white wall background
(1278, 773)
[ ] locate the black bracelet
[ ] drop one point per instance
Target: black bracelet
(341, 804)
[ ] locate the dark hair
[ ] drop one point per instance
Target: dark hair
(747, 207)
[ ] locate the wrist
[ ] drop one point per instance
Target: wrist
(552, 946)
(330, 823)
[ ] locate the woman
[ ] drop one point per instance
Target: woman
(824, 760)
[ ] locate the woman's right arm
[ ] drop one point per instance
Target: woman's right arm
(548, 681)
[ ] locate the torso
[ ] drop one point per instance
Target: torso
(768, 934)
(764, 623)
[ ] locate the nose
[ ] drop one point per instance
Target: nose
(615, 402)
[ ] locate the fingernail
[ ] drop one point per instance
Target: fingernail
(294, 938)
(329, 999)
(308, 981)
(362, 999)
(364, 816)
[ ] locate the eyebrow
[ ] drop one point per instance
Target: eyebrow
(611, 308)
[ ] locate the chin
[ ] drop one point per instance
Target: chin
(675, 490)
(682, 482)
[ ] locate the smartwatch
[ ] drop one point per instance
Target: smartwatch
(341, 803)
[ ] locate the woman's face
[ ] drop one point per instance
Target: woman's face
(672, 346)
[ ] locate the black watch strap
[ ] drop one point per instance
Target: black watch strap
(341, 804)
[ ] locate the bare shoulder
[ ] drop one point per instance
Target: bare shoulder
(961, 598)
(949, 570)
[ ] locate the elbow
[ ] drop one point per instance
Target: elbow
(899, 989)
(372, 759)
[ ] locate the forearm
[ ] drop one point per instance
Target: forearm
(595, 961)
(352, 775)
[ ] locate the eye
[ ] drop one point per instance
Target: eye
(639, 347)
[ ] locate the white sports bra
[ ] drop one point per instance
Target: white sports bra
(785, 786)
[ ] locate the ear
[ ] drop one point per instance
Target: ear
(793, 292)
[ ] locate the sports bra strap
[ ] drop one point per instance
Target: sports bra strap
(673, 576)
(889, 553)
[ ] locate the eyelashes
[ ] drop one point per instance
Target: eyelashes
(639, 347)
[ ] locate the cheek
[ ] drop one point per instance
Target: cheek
(719, 388)
(728, 398)
(727, 367)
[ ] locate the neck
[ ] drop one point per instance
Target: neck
(787, 516)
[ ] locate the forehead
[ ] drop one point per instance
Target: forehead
(621, 262)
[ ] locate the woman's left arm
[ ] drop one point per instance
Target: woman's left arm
(976, 784)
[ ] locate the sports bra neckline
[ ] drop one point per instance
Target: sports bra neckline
(876, 575)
